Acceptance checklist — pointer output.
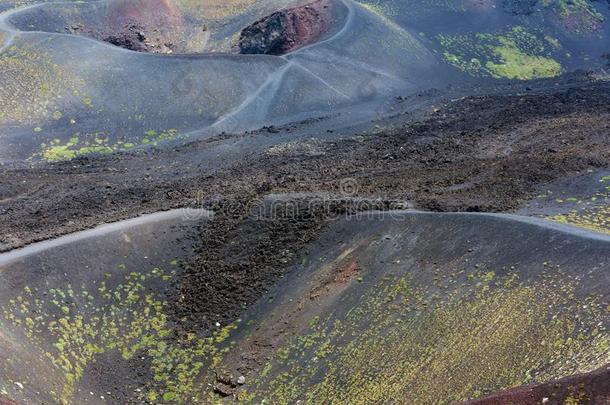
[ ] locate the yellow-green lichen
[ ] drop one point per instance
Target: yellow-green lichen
(590, 212)
(32, 85)
(516, 54)
(402, 343)
(97, 143)
(576, 16)
(596, 219)
(71, 326)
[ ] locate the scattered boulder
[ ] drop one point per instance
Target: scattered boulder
(131, 37)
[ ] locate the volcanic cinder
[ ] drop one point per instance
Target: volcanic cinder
(287, 30)
(304, 201)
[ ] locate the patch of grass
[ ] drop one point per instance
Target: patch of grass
(405, 342)
(595, 219)
(590, 212)
(567, 8)
(516, 54)
(72, 326)
(515, 64)
(33, 86)
(97, 143)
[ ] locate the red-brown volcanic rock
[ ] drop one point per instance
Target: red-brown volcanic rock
(287, 30)
(592, 389)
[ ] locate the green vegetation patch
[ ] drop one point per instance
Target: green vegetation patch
(566, 8)
(406, 342)
(516, 54)
(576, 16)
(416, 8)
(595, 219)
(592, 213)
(32, 85)
(70, 326)
(97, 143)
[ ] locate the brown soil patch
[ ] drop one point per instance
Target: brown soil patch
(341, 274)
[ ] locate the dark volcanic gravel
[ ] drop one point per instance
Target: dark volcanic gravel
(246, 248)
(484, 153)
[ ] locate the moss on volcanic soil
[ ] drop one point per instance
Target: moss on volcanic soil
(595, 218)
(515, 54)
(70, 326)
(579, 17)
(33, 86)
(391, 8)
(97, 143)
(403, 341)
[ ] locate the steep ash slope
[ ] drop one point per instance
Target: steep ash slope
(384, 305)
(426, 308)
